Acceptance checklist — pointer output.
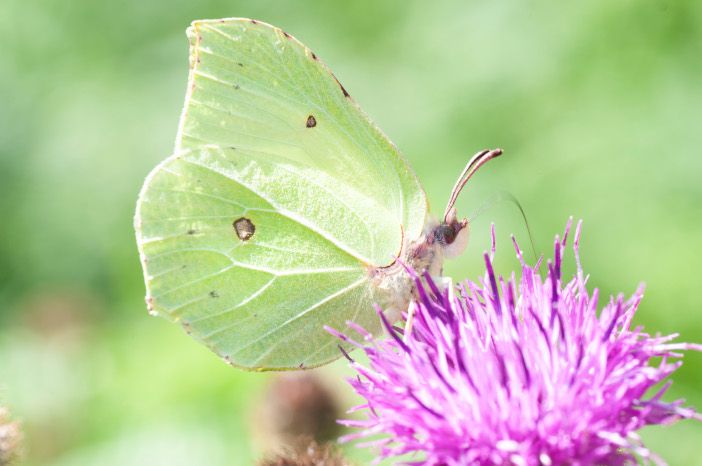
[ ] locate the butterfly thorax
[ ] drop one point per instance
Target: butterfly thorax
(427, 253)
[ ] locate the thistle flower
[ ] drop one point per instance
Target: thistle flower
(516, 372)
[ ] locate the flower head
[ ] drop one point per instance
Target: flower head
(516, 372)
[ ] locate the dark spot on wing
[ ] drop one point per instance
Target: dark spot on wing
(244, 228)
(238, 63)
(311, 121)
(254, 21)
(314, 56)
(191, 232)
(286, 34)
(236, 86)
(214, 294)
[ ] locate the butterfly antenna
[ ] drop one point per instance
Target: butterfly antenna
(473, 165)
(505, 196)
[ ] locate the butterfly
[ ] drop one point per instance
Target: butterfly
(283, 207)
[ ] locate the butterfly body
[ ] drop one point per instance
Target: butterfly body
(282, 209)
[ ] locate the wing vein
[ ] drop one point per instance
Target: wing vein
(300, 220)
(191, 282)
(199, 193)
(248, 299)
(301, 314)
(347, 327)
(330, 193)
(251, 81)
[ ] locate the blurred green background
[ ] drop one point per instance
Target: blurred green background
(597, 104)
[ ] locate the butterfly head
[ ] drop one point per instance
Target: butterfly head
(452, 235)
(447, 239)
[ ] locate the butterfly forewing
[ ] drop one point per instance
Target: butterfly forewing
(254, 87)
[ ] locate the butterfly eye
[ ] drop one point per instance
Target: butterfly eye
(449, 233)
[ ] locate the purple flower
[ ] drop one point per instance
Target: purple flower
(516, 372)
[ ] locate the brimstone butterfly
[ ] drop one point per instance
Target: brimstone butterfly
(283, 208)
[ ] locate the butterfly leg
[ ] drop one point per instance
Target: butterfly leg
(410, 321)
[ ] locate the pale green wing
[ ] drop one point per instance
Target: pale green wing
(252, 86)
(269, 136)
(260, 302)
